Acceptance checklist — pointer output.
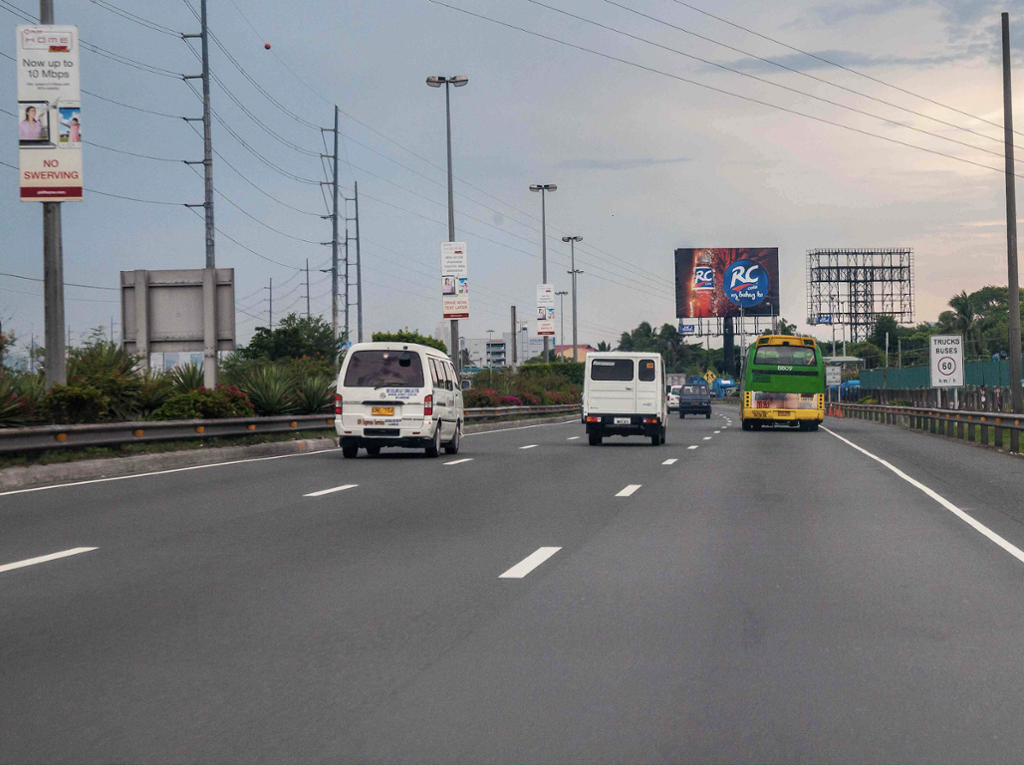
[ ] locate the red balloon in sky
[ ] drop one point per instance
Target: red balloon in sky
(266, 45)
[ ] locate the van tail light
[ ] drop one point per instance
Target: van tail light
(337, 403)
(428, 406)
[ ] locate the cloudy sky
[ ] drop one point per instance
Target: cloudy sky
(648, 152)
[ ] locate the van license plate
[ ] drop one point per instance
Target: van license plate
(383, 411)
(621, 421)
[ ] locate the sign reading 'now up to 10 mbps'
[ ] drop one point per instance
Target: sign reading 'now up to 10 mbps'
(947, 361)
(49, 114)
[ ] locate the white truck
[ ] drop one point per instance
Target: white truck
(624, 395)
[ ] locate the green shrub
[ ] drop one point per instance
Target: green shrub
(30, 388)
(75, 404)
(187, 377)
(14, 411)
(480, 397)
(314, 393)
(205, 404)
(113, 372)
(155, 389)
(270, 388)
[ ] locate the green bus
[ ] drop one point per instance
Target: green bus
(783, 383)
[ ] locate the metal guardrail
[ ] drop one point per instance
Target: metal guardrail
(113, 433)
(986, 428)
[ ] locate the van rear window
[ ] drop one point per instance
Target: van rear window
(393, 369)
(619, 370)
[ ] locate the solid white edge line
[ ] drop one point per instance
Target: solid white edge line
(162, 472)
(459, 462)
(979, 527)
(529, 563)
(45, 558)
(528, 446)
(629, 490)
(573, 438)
(672, 461)
(692, 447)
(331, 491)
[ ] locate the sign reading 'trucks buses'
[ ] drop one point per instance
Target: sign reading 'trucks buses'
(49, 114)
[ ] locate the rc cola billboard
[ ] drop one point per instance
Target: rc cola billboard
(714, 282)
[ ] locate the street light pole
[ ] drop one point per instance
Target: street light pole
(543, 188)
(435, 82)
(1013, 292)
(572, 249)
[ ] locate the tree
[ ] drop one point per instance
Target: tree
(409, 336)
(604, 345)
(293, 338)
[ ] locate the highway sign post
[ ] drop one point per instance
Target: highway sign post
(833, 375)
(947, 361)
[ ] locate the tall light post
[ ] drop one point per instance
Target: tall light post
(544, 188)
(572, 248)
(435, 82)
(561, 313)
(490, 361)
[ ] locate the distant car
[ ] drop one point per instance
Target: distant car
(694, 399)
(673, 398)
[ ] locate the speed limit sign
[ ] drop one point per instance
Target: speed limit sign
(947, 361)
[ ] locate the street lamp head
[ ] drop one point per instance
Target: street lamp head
(459, 80)
(543, 187)
(435, 82)
(572, 238)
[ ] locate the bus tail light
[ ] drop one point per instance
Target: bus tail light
(337, 403)
(428, 406)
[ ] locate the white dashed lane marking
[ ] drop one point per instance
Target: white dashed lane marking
(46, 558)
(629, 490)
(707, 438)
(692, 447)
(670, 462)
(331, 491)
(529, 446)
(573, 438)
(529, 563)
(459, 462)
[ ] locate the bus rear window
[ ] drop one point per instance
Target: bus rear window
(392, 369)
(618, 370)
(785, 355)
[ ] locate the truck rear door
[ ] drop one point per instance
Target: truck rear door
(649, 391)
(612, 387)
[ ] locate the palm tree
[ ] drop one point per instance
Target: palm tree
(604, 346)
(965, 320)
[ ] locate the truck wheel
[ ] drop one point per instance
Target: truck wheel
(373, 451)
(595, 439)
(664, 434)
(656, 439)
(349, 452)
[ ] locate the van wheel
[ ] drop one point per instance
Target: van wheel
(373, 451)
(682, 416)
(707, 415)
(596, 439)
(435, 448)
(349, 452)
(452, 447)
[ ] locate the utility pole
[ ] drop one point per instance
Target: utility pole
(572, 249)
(886, 350)
(307, 289)
(544, 188)
(348, 282)
(561, 316)
(515, 357)
(899, 353)
(1016, 395)
(32, 354)
(271, 288)
(53, 271)
(359, 273)
(334, 241)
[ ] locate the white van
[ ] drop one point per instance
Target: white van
(398, 394)
(624, 395)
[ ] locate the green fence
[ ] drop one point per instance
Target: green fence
(992, 374)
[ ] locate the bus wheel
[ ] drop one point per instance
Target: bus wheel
(756, 425)
(813, 427)
(746, 424)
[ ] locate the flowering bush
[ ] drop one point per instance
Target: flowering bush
(206, 404)
(510, 401)
(480, 397)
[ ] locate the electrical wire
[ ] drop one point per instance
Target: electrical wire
(765, 81)
(66, 284)
(715, 89)
(134, 18)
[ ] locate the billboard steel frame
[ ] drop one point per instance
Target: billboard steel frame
(853, 287)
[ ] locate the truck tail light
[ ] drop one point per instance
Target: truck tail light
(337, 403)
(651, 420)
(592, 418)
(428, 406)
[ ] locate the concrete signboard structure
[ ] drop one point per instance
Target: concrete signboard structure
(545, 310)
(49, 113)
(179, 311)
(454, 281)
(947, 361)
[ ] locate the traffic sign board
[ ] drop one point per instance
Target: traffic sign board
(833, 374)
(947, 361)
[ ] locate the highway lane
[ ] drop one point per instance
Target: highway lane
(727, 609)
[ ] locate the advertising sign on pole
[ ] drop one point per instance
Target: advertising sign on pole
(947, 361)
(721, 282)
(833, 375)
(454, 281)
(545, 310)
(49, 114)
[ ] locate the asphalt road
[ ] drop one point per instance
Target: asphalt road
(766, 597)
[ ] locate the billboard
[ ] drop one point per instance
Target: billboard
(454, 280)
(545, 310)
(718, 282)
(49, 114)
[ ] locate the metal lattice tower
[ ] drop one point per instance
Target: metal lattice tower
(854, 287)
